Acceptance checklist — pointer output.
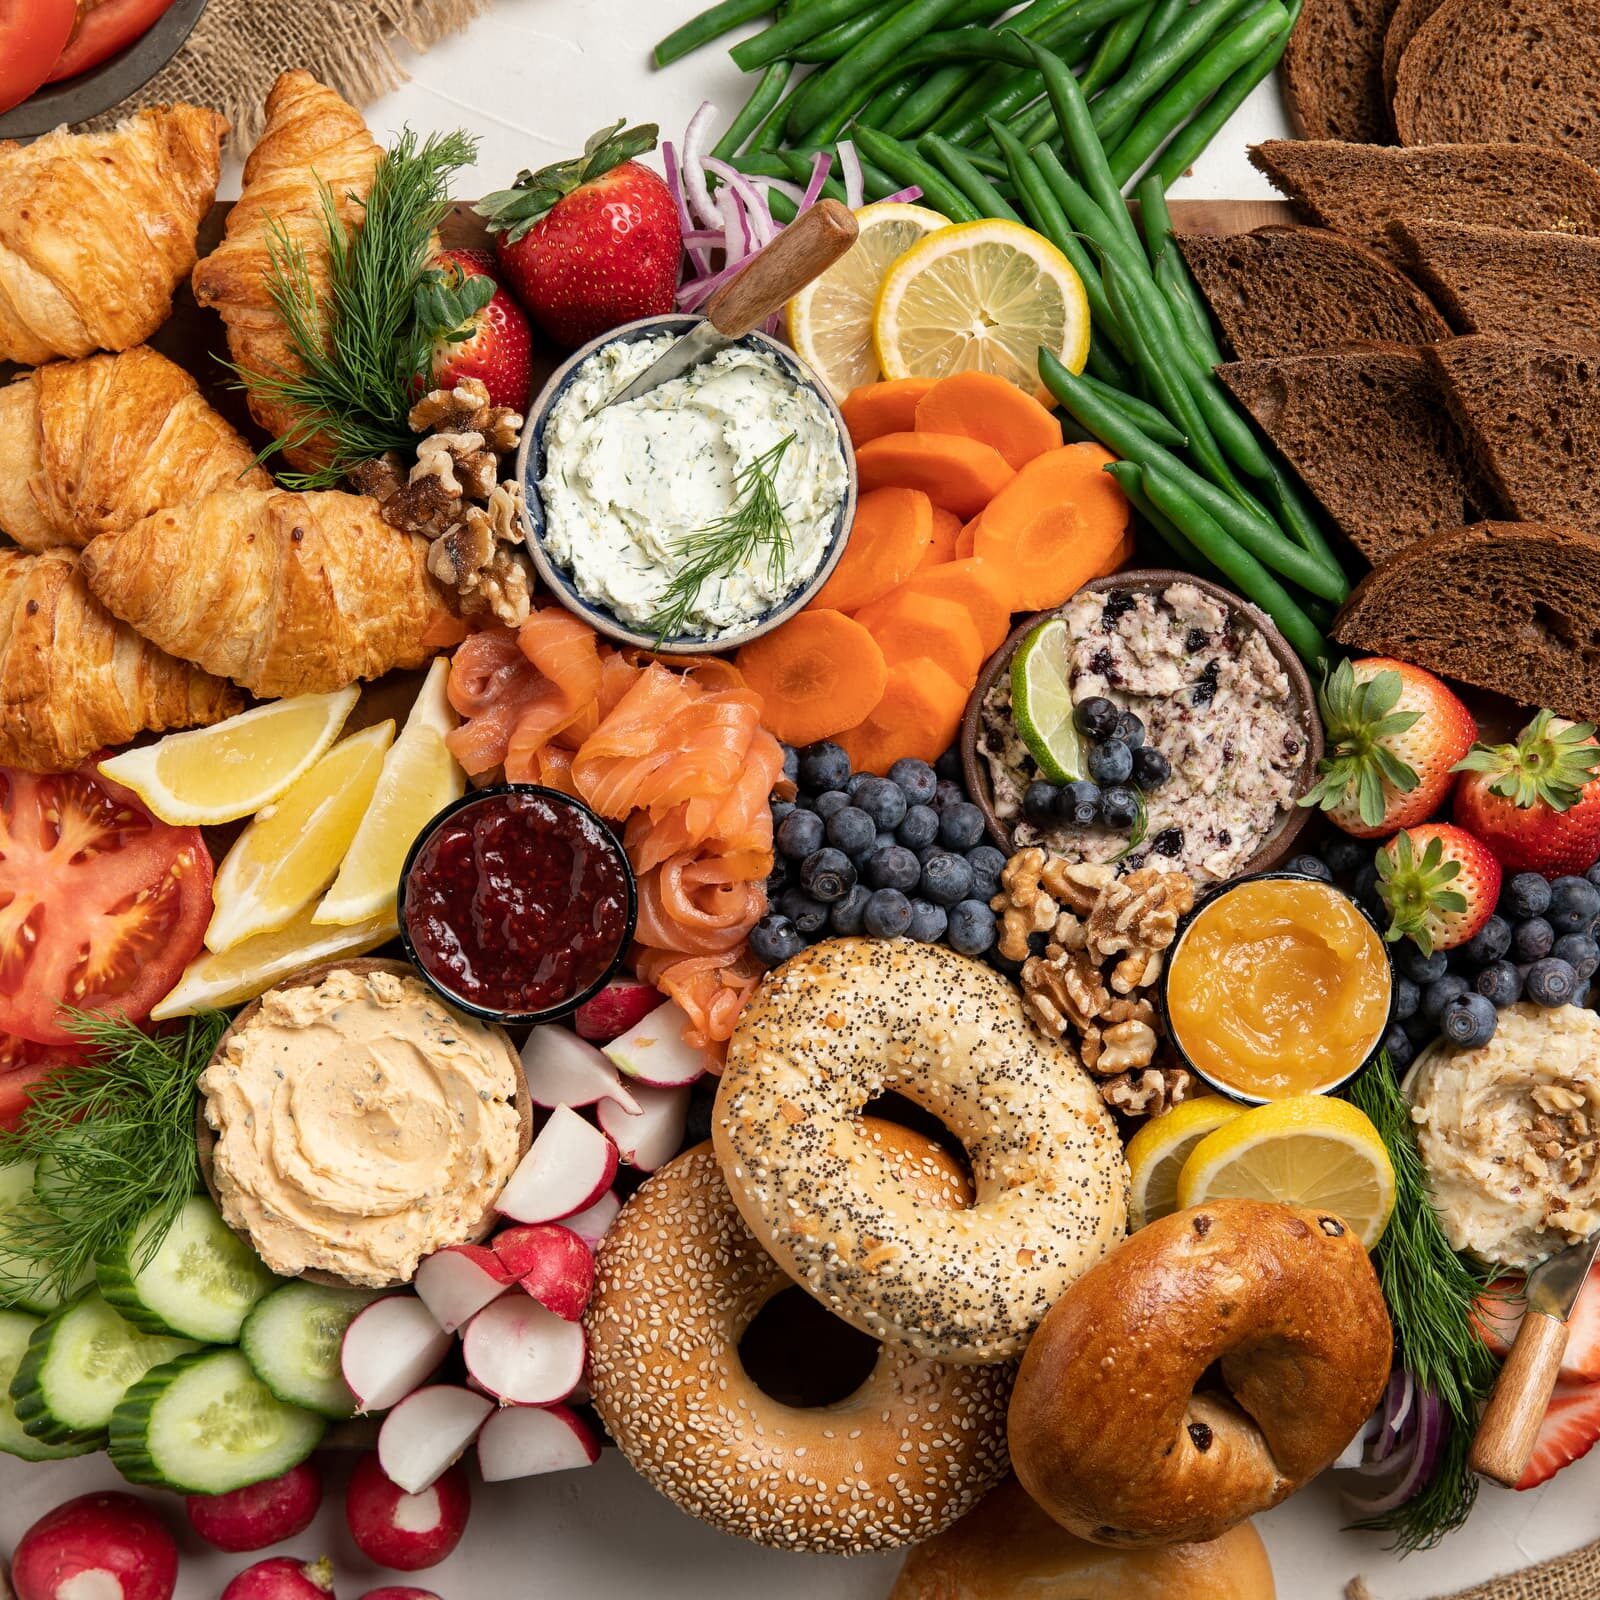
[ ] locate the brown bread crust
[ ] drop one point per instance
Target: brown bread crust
(1333, 70)
(1408, 16)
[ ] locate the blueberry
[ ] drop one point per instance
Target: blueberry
(827, 875)
(915, 779)
(920, 827)
(1532, 940)
(1130, 730)
(778, 878)
(1079, 803)
(972, 928)
(1438, 994)
(882, 801)
(851, 830)
(1345, 856)
(791, 763)
(845, 914)
(888, 914)
(927, 851)
(1119, 806)
(948, 793)
(946, 878)
(1500, 983)
(1366, 890)
(1039, 803)
(1580, 951)
(1310, 867)
(1550, 982)
(1111, 762)
(1574, 904)
(928, 922)
(882, 841)
(1469, 1021)
(1398, 1043)
(1593, 874)
(774, 939)
(1096, 717)
(960, 826)
(893, 867)
(1525, 895)
(949, 764)
(799, 834)
(809, 916)
(854, 782)
(1489, 943)
(1419, 1030)
(830, 803)
(1407, 996)
(1418, 967)
(987, 863)
(823, 766)
(1151, 769)
(781, 809)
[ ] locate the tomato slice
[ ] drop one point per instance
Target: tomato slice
(33, 33)
(101, 905)
(106, 27)
(23, 1066)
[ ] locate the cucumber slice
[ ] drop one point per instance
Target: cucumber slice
(79, 1364)
(16, 1329)
(292, 1338)
(22, 1282)
(205, 1424)
(200, 1284)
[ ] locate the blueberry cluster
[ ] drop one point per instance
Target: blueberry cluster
(885, 857)
(1118, 764)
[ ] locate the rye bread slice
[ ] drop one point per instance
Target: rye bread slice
(1519, 71)
(1539, 287)
(1333, 70)
(1513, 607)
(1408, 16)
(1286, 291)
(1369, 435)
(1360, 188)
(1532, 417)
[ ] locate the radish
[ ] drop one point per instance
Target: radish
(457, 1282)
(403, 1592)
(653, 1051)
(570, 1165)
(552, 1264)
(618, 1006)
(405, 1531)
(97, 1547)
(283, 1578)
(390, 1349)
(523, 1354)
(425, 1434)
(262, 1514)
(652, 1136)
(591, 1223)
(520, 1441)
(564, 1070)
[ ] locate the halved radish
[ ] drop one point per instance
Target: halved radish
(652, 1050)
(623, 1002)
(276, 1578)
(390, 1349)
(405, 1531)
(552, 1264)
(520, 1441)
(523, 1354)
(570, 1165)
(99, 1545)
(564, 1070)
(459, 1281)
(651, 1136)
(426, 1433)
(591, 1223)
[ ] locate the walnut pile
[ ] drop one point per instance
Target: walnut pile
(453, 495)
(1104, 941)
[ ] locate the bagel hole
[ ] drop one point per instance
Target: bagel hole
(798, 1353)
(906, 1113)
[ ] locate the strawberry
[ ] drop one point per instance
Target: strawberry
(1567, 1434)
(1498, 1314)
(590, 243)
(1535, 803)
(491, 341)
(1439, 884)
(1394, 734)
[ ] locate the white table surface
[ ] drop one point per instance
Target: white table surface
(532, 78)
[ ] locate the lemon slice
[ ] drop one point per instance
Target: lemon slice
(419, 778)
(1157, 1152)
(830, 320)
(1308, 1150)
(1041, 701)
(981, 295)
(234, 767)
(289, 854)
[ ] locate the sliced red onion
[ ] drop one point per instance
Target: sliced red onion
(736, 233)
(855, 189)
(790, 191)
(694, 174)
(1398, 1400)
(703, 236)
(692, 241)
(912, 193)
(820, 168)
(1409, 1466)
(758, 219)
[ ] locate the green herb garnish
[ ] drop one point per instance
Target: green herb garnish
(757, 522)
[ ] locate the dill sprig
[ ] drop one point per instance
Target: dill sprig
(363, 343)
(756, 522)
(1430, 1290)
(116, 1137)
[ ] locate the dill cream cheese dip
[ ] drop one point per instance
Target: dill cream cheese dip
(637, 493)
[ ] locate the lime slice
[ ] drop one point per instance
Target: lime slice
(1041, 702)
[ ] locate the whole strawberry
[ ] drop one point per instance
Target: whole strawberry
(590, 243)
(1394, 734)
(1439, 885)
(491, 341)
(1535, 803)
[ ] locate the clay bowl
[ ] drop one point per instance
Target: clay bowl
(206, 1141)
(1279, 841)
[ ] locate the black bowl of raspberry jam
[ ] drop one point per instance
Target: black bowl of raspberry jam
(516, 903)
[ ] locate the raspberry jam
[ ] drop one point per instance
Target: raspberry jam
(518, 902)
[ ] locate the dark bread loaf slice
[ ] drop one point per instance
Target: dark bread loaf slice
(1532, 417)
(1521, 71)
(1371, 438)
(1539, 287)
(1286, 291)
(1360, 188)
(1513, 607)
(1333, 70)
(1408, 16)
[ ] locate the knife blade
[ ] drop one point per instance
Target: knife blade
(804, 250)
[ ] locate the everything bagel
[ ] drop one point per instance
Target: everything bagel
(852, 1019)
(1107, 1432)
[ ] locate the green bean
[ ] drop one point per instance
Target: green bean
(1195, 334)
(881, 109)
(990, 165)
(929, 98)
(1120, 103)
(1118, 44)
(710, 24)
(839, 115)
(768, 92)
(1131, 481)
(969, 44)
(903, 164)
(798, 167)
(1140, 413)
(1156, 223)
(1161, 22)
(966, 177)
(783, 209)
(770, 134)
(831, 45)
(1295, 513)
(779, 42)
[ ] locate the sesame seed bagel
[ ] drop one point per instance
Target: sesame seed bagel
(852, 1019)
(678, 1280)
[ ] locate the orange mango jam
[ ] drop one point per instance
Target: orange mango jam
(1278, 987)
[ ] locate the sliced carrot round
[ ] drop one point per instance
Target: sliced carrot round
(982, 588)
(817, 674)
(988, 408)
(918, 715)
(879, 408)
(942, 547)
(910, 625)
(892, 528)
(959, 474)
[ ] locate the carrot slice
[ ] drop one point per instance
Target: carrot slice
(992, 410)
(879, 408)
(942, 547)
(959, 474)
(980, 586)
(817, 674)
(892, 529)
(908, 625)
(918, 715)
(969, 532)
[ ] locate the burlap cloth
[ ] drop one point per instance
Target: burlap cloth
(1572, 1577)
(239, 46)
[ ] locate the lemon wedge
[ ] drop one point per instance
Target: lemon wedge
(830, 320)
(1157, 1152)
(289, 854)
(419, 778)
(983, 295)
(1308, 1150)
(235, 767)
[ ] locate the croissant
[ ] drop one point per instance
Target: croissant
(88, 446)
(73, 678)
(314, 147)
(98, 229)
(283, 593)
